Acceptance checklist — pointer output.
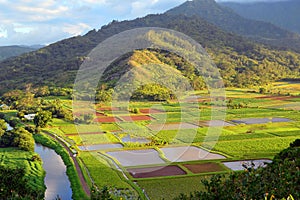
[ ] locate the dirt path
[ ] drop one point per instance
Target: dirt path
(84, 185)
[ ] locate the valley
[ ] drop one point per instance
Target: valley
(197, 102)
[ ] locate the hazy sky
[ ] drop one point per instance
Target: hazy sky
(30, 22)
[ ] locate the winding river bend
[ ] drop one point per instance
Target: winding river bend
(56, 179)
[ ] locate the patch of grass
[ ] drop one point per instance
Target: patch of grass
(252, 148)
(90, 139)
(170, 188)
(34, 172)
(101, 171)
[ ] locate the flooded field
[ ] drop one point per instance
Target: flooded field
(188, 153)
(137, 157)
(238, 165)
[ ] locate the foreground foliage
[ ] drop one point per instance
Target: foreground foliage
(280, 179)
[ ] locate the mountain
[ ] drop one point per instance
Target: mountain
(11, 51)
(228, 20)
(284, 14)
(242, 62)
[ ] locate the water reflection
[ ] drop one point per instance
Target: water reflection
(56, 180)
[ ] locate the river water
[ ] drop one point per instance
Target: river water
(56, 179)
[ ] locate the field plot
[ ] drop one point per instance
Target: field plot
(137, 157)
(261, 120)
(169, 188)
(150, 111)
(91, 139)
(238, 165)
(128, 138)
(107, 119)
(136, 118)
(213, 123)
(172, 126)
(106, 108)
(204, 167)
(148, 172)
(100, 147)
(188, 153)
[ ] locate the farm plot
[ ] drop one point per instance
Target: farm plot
(149, 172)
(204, 167)
(137, 157)
(239, 165)
(136, 118)
(107, 119)
(129, 138)
(100, 147)
(150, 111)
(213, 123)
(172, 126)
(188, 153)
(260, 120)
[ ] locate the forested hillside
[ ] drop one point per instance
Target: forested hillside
(228, 20)
(242, 62)
(284, 14)
(11, 51)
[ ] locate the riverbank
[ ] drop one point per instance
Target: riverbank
(76, 184)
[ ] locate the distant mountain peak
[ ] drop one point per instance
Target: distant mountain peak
(226, 19)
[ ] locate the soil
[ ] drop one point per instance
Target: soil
(148, 172)
(203, 168)
(137, 118)
(150, 111)
(107, 119)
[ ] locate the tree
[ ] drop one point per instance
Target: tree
(3, 127)
(23, 139)
(102, 194)
(42, 118)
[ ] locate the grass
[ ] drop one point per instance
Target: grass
(169, 188)
(238, 142)
(101, 171)
(253, 148)
(90, 139)
(12, 158)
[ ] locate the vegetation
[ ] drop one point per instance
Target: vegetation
(230, 21)
(21, 175)
(270, 12)
(241, 62)
(280, 179)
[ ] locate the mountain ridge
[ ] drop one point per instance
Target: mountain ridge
(228, 20)
(242, 62)
(273, 12)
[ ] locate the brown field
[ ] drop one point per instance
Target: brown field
(148, 172)
(203, 168)
(150, 111)
(107, 119)
(137, 118)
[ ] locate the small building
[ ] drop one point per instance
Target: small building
(29, 116)
(4, 107)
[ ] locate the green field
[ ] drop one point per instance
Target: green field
(34, 173)
(237, 142)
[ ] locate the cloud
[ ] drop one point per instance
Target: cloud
(47, 21)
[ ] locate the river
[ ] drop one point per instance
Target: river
(56, 179)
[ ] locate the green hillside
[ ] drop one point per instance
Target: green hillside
(274, 12)
(241, 61)
(11, 51)
(230, 21)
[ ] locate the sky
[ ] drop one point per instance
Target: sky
(30, 22)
